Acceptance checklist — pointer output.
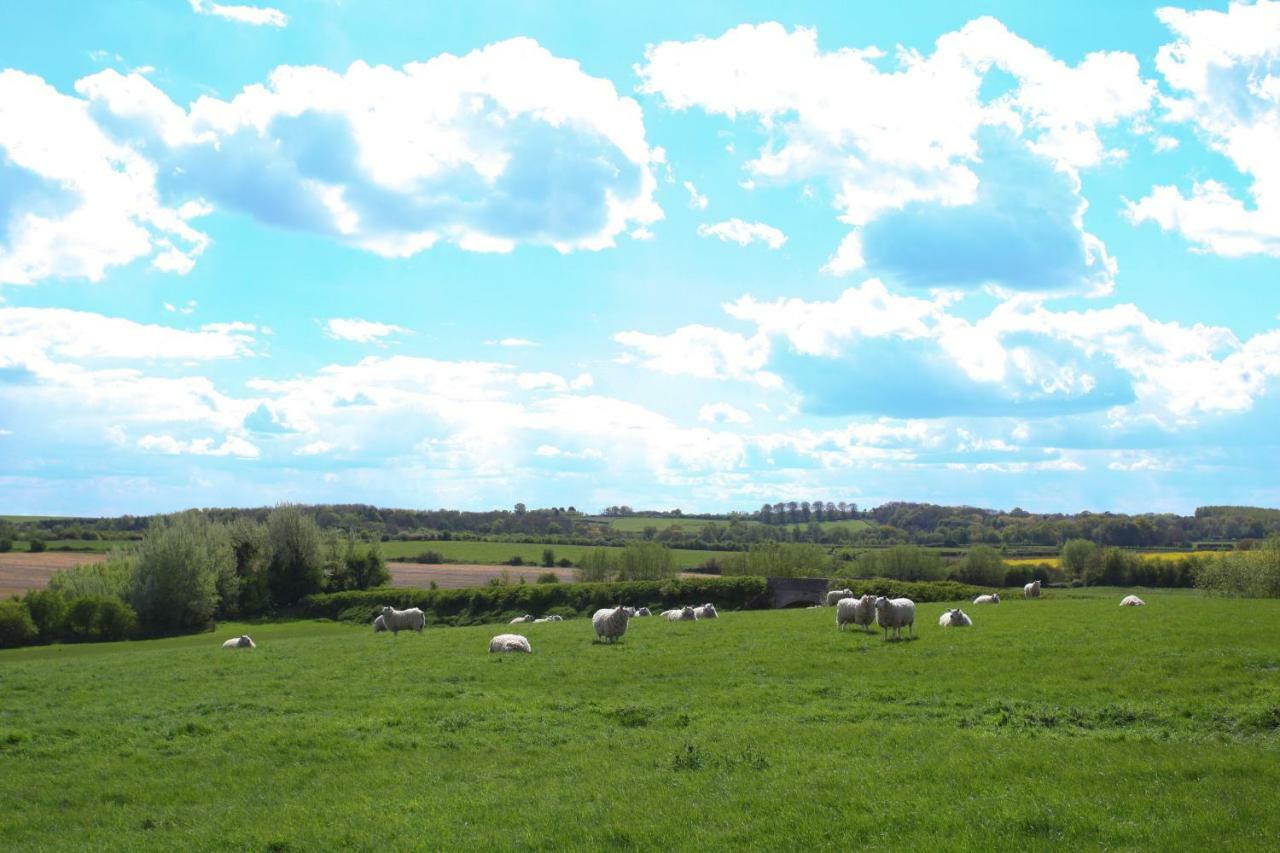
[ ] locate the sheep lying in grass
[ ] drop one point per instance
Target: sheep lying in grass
(519, 620)
(396, 621)
(509, 643)
(241, 642)
(1132, 601)
(956, 618)
(706, 611)
(1031, 590)
(551, 618)
(610, 624)
(856, 611)
(684, 614)
(833, 597)
(379, 624)
(643, 611)
(993, 598)
(897, 613)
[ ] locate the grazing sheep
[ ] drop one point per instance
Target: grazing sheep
(897, 613)
(396, 621)
(1031, 590)
(610, 624)
(1132, 601)
(994, 598)
(684, 614)
(643, 611)
(856, 611)
(706, 611)
(241, 642)
(956, 618)
(509, 643)
(833, 597)
(519, 620)
(631, 611)
(379, 625)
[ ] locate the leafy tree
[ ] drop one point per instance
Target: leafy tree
(16, 627)
(297, 562)
(982, 565)
(595, 565)
(112, 577)
(185, 566)
(1077, 556)
(646, 561)
(253, 556)
(548, 557)
(36, 546)
(48, 610)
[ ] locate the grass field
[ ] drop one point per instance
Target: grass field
(100, 545)
(1065, 722)
(637, 524)
(498, 552)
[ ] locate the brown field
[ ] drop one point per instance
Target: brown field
(20, 572)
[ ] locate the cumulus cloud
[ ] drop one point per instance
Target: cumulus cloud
(361, 331)
(42, 333)
(258, 16)
(744, 233)
(1222, 68)
(697, 200)
(508, 145)
(723, 413)
(911, 135)
(511, 342)
(232, 445)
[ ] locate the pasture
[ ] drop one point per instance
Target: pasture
(693, 526)
(1067, 721)
(493, 553)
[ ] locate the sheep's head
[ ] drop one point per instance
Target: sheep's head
(387, 610)
(995, 596)
(881, 602)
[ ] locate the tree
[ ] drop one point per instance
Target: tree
(982, 565)
(1077, 556)
(253, 554)
(185, 564)
(36, 546)
(16, 627)
(646, 561)
(296, 568)
(548, 557)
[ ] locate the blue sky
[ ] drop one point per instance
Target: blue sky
(695, 255)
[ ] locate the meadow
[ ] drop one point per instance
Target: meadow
(693, 526)
(1066, 721)
(459, 551)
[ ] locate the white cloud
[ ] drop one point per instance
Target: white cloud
(361, 331)
(232, 445)
(911, 134)
(314, 448)
(744, 233)
(36, 334)
(258, 16)
(1223, 70)
(723, 413)
(456, 149)
(189, 308)
(511, 342)
(77, 202)
(702, 351)
(697, 200)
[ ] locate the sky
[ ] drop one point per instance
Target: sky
(696, 255)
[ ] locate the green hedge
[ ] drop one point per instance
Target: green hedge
(917, 591)
(501, 603)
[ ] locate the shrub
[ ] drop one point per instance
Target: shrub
(517, 560)
(16, 626)
(253, 556)
(296, 568)
(548, 557)
(1077, 556)
(1248, 574)
(432, 557)
(564, 562)
(48, 610)
(646, 561)
(981, 565)
(93, 618)
(113, 577)
(6, 545)
(780, 560)
(548, 577)
(595, 566)
(36, 546)
(186, 568)
(901, 562)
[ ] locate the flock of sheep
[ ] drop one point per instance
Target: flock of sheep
(610, 623)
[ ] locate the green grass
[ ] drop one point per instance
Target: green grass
(1062, 723)
(18, 519)
(637, 524)
(499, 552)
(78, 544)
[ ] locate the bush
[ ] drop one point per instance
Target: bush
(48, 610)
(548, 577)
(16, 626)
(779, 560)
(646, 561)
(548, 557)
(564, 562)
(517, 560)
(36, 546)
(6, 545)
(1246, 574)
(100, 619)
(297, 563)
(432, 557)
(901, 562)
(981, 565)
(253, 557)
(186, 568)
(113, 577)
(1077, 556)
(595, 566)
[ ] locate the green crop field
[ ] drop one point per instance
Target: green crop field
(1065, 723)
(78, 544)
(499, 552)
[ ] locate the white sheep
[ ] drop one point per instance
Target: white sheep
(1132, 601)
(509, 643)
(241, 642)
(631, 611)
(683, 614)
(994, 598)
(897, 613)
(955, 618)
(1031, 590)
(520, 620)
(610, 624)
(643, 611)
(396, 621)
(551, 618)
(706, 611)
(379, 625)
(833, 597)
(856, 611)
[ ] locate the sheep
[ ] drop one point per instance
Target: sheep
(241, 642)
(993, 598)
(552, 618)
(643, 611)
(684, 614)
(610, 624)
(857, 611)
(509, 643)
(833, 597)
(520, 620)
(631, 611)
(379, 625)
(706, 611)
(1031, 590)
(1132, 601)
(956, 618)
(404, 620)
(897, 613)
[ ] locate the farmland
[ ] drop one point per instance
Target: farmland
(498, 552)
(833, 738)
(692, 526)
(1154, 555)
